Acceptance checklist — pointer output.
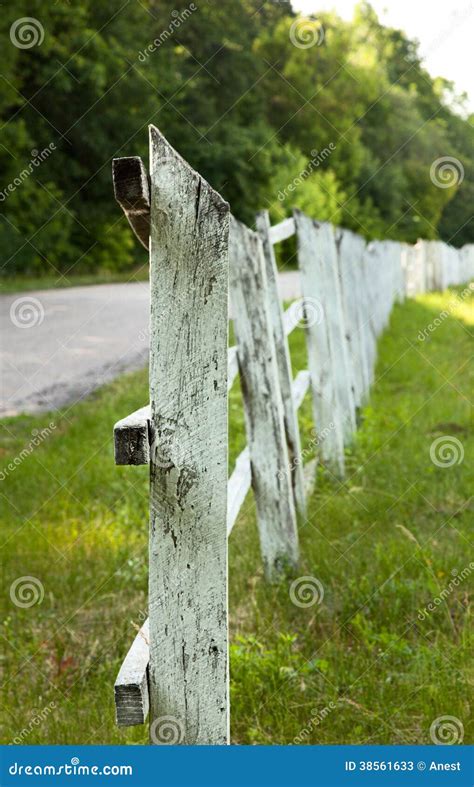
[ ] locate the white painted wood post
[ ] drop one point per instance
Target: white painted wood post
(327, 416)
(263, 405)
(188, 454)
(350, 252)
(284, 364)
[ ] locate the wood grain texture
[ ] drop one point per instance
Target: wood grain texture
(132, 193)
(285, 229)
(350, 252)
(132, 438)
(283, 362)
(131, 686)
(188, 455)
(315, 280)
(271, 477)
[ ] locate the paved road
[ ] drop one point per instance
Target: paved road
(58, 345)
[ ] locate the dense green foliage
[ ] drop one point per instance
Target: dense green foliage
(346, 128)
(384, 544)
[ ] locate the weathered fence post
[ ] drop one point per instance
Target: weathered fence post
(188, 454)
(333, 401)
(283, 364)
(271, 479)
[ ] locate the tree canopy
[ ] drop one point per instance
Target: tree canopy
(338, 118)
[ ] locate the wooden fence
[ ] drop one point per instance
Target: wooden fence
(200, 258)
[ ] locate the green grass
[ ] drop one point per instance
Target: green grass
(358, 667)
(13, 284)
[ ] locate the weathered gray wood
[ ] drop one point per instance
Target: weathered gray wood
(188, 455)
(263, 406)
(293, 316)
(232, 366)
(132, 438)
(350, 251)
(283, 362)
(131, 686)
(301, 385)
(317, 286)
(132, 433)
(285, 229)
(131, 702)
(237, 490)
(132, 193)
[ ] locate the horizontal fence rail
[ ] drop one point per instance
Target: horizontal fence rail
(176, 668)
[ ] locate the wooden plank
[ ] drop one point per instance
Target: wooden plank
(132, 438)
(130, 702)
(132, 193)
(285, 229)
(301, 385)
(350, 252)
(263, 406)
(283, 362)
(188, 457)
(131, 686)
(238, 487)
(132, 433)
(232, 366)
(293, 317)
(333, 401)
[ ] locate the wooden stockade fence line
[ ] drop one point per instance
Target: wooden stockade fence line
(176, 670)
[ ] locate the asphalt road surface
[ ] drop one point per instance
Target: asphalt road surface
(58, 345)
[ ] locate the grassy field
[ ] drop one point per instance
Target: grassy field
(363, 664)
